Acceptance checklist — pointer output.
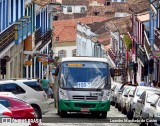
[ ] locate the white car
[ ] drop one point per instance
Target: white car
(5, 112)
(30, 91)
(133, 101)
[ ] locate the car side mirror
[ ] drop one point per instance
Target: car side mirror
(131, 95)
(152, 104)
(120, 92)
(125, 95)
(139, 100)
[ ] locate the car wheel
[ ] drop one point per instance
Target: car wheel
(134, 114)
(37, 113)
(104, 115)
(142, 123)
(116, 105)
(124, 110)
(119, 107)
(130, 114)
(63, 113)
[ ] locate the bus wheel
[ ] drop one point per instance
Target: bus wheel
(104, 115)
(58, 112)
(95, 114)
(63, 113)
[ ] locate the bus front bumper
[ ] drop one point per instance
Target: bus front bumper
(78, 106)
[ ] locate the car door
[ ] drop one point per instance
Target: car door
(140, 104)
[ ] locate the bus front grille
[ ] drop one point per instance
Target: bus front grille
(80, 105)
(79, 97)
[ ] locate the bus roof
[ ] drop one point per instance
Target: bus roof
(84, 59)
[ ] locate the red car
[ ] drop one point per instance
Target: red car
(19, 108)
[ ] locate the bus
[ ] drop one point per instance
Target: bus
(82, 84)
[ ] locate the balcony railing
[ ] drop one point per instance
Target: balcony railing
(157, 37)
(38, 34)
(112, 55)
(7, 37)
(46, 37)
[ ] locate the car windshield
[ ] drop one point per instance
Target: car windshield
(152, 98)
(93, 75)
(126, 90)
(139, 92)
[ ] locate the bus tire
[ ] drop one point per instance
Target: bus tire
(95, 114)
(63, 113)
(58, 112)
(104, 115)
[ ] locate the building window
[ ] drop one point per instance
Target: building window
(82, 9)
(74, 52)
(122, 0)
(69, 9)
(115, 0)
(96, 13)
(61, 54)
(108, 3)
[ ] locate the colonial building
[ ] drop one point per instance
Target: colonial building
(38, 46)
(74, 6)
(15, 28)
(140, 25)
(154, 36)
(64, 36)
(119, 51)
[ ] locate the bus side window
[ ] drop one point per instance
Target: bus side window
(57, 70)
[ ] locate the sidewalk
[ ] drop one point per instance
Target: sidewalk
(50, 101)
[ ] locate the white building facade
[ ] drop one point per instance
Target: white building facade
(70, 9)
(87, 44)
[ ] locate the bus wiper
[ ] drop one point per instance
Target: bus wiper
(71, 86)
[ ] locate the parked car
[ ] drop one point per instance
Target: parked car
(122, 97)
(30, 91)
(143, 107)
(154, 113)
(133, 100)
(125, 96)
(114, 93)
(19, 108)
(114, 90)
(5, 112)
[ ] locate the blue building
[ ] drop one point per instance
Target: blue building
(14, 29)
(38, 46)
(154, 39)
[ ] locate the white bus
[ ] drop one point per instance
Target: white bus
(82, 84)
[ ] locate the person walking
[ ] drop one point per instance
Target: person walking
(142, 83)
(153, 84)
(45, 85)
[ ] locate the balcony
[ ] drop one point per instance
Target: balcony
(22, 28)
(38, 34)
(7, 37)
(46, 37)
(157, 37)
(112, 55)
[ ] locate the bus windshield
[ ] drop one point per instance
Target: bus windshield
(88, 75)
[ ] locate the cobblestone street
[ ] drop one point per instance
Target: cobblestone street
(85, 119)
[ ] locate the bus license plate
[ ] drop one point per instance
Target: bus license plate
(84, 110)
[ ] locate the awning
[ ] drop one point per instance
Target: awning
(143, 17)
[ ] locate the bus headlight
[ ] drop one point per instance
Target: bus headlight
(106, 95)
(63, 94)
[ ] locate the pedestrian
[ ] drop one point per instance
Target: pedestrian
(154, 84)
(142, 83)
(45, 84)
(50, 92)
(158, 84)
